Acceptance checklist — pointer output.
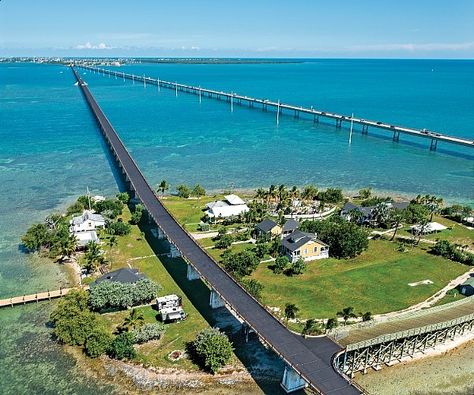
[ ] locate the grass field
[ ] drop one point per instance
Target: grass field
(168, 273)
(376, 281)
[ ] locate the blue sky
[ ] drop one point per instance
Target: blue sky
(246, 28)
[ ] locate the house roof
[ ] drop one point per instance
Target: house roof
(124, 275)
(290, 225)
(348, 206)
(234, 200)
(87, 216)
(298, 239)
(83, 238)
(469, 281)
(400, 205)
(266, 225)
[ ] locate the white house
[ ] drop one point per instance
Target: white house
(86, 222)
(230, 206)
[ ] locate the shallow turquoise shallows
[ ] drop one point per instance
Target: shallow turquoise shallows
(51, 151)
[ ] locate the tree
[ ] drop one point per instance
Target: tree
(331, 323)
(198, 191)
(36, 237)
(163, 186)
(224, 241)
(93, 256)
(346, 313)
(310, 192)
(254, 287)
(261, 249)
(345, 239)
(112, 207)
(137, 214)
(396, 217)
(68, 246)
(298, 267)
(72, 320)
(122, 347)
(331, 195)
(183, 191)
(134, 320)
(311, 327)
(381, 214)
(290, 311)
(75, 208)
(241, 263)
(97, 342)
(415, 213)
(281, 263)
(124, 197)
(365, 193)
(211, 349)
(119, 228)
(367, 316)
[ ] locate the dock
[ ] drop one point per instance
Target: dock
(36, 297)
(264, 104)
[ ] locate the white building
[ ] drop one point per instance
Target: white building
(86, 222)
(84, 238)
(230, 206)
(430, 227)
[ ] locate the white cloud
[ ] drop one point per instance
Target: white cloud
(410, 47)
(88, 45)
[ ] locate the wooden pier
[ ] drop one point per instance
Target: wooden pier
(314, 114)
(37, 297)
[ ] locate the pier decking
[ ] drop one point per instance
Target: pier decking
(36, 297)
(264, 104)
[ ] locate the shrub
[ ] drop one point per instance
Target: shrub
(98, 342)
(75, 208)
(124, 197)
(254, 287)
(122, 347)
(331, 195)
(111, 294)
(281, 264)
(224, 241)
(211, 349)
(113, 207)
(119, 228)
(298, 267)
(137, 214)
(331, 323)
(148, 332)
(36, 237)
(183, 191)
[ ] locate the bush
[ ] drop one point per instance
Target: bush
(241, 263)
(298, 267)
(137, 214)
(331, 323)
(224, 241)
(36, 237)
(451, 251)
(211, 349)
(119, 228)
(75, 208)
(122, 347)
(281, 264)
(111, 294)
(148, 332)
(183, 191)
(124, 197)
(113, 207)
(331, 195)
(97, 342)
(254, 287)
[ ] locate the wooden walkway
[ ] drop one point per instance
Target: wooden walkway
(37, 297)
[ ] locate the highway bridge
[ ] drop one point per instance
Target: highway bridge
(264, 104)
(309, 361)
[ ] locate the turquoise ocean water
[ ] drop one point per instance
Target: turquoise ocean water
(50, 151)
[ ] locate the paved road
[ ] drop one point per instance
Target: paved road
(312, 359)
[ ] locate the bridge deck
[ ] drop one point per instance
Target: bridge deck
(279, 107)
(407, 322)
(313, 362)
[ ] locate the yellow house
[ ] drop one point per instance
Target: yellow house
(267, 228)
(304, 245)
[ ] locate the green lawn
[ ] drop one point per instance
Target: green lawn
(376, 281)
(456, 233)
(164, 271)
(450, 298)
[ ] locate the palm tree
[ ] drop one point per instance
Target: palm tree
(163, 186)
(272, 193)
(134, 320)
(381, 213)
(346, 313)
(309, 192)
(310, 327)
(290, 311)
(260, 194)
(282, 193)
(93, 256)
(433, 204)
(396, 217)
(68, 246)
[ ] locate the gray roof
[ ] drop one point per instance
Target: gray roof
(124, 276)
(469, 281)
(266, 225)
(298, 239)
(290, 225)
(86, 216)
(400, 205)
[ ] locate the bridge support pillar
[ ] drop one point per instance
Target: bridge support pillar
(246, 330)
(396, 136)
(338, 123)
(433, 145)
(192, 274)
(292, 381)
(160, 234)
(215, 301)
(365, 129)
(174, 252)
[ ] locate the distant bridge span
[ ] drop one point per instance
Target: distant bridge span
(264, 104)
(311, 362)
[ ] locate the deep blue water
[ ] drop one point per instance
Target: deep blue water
(50, 151)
